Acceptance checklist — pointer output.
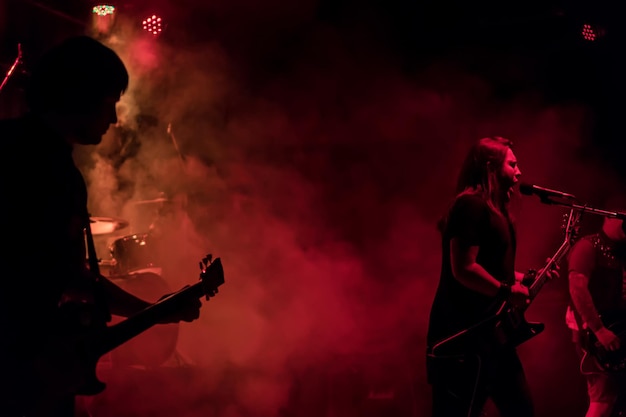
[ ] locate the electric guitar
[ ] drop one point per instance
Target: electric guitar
(505, 324)
(611, 361)
(69, 360)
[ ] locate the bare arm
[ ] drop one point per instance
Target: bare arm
(583, 302)
(582, 259)
(581, 264)
(468, 272)
(581, 298)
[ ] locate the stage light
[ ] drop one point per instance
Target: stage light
(153, 25)
(103, 10)
(591, 32)
(103, 19)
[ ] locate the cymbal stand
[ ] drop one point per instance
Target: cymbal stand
(17, 62)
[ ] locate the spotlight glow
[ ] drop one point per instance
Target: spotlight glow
(591, 32)
(153, 25)
(103, 10)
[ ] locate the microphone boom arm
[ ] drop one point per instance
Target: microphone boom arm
(586, 208)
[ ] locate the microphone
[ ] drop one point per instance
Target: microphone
(541, 192)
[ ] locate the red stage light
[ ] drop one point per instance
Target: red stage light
(153, 25)
(592, 32)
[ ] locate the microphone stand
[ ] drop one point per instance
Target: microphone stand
(585, 208)
(17, 61)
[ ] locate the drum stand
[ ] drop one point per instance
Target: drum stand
(17, 62)
(181, 361)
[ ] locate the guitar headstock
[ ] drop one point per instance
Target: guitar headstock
(211, 275)
(571, 224)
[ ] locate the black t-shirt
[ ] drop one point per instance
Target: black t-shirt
(455, 306)
(42, 218)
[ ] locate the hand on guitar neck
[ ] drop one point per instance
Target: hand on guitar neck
(188, 307)
(551, 269)
(519, 295)
(533, 280)
(516, 294)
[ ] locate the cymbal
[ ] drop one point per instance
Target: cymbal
(106, 225)
(153, 201)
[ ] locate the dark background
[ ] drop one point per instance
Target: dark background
(321, 93)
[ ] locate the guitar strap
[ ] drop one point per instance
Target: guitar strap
(582, 332)
(92, 258)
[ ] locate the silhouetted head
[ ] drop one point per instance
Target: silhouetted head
(77, 84)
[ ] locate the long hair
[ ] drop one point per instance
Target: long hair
(481, 172)
(481, 175)
(76, 75)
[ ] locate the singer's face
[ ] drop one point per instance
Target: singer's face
(510, 172)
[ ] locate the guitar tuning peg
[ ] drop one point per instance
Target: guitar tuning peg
(201, 265)
(208, 259)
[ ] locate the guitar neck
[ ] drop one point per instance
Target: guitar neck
(542, 277)
(116, 335)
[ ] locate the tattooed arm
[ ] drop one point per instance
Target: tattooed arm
(581, 264)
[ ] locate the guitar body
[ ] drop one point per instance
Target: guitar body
(609, 361)
(458, 361)
(70, 353)
(504, 327)
(513, 329)
(91, 385)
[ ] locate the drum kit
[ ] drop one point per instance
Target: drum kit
(127, 253)
(132, 264)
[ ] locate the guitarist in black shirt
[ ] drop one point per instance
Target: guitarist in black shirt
(597, 314)
(478, 247)
(71, 95)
